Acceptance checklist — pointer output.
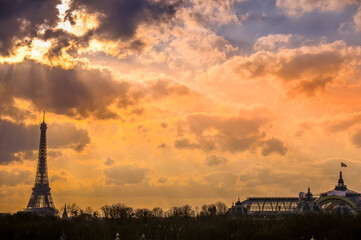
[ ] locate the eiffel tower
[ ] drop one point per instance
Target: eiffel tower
(41, 201)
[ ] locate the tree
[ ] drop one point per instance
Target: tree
(183, 211)
(221, 207)
(117, 211)
(73, 210)
(143, 213)
(89, 210)
(218, 208)
(158, 212)
(208, 210)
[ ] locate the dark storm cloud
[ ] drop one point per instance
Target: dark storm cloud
(16, 138)
(20, 19)
(121, 18)
(62, 40)
(76, 92)
(19, 141)
(23, 20)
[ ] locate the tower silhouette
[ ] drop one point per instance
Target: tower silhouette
(41, 201)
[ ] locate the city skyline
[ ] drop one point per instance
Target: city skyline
(165, 103)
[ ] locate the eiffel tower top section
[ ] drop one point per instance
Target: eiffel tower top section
(41, 200)
(42, 170)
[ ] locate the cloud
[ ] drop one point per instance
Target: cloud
(178, 49)
(272, 182)
(164, 87)
(357, 20)
(274, 145)
(232, 134)
(57, 178)
(15, 177)
(66, 135)
(54, 153)
(54, 35)
(192, 42)
(221, 179)
(214, 160)
(75, 92)
(16, 138)
(79, 92)
(130, 13)
(162, 180)
(356, 139)
(109, 161)
(127, 174)
(299, 7)
(89, 26)
(19, 23)
(162, 145)
(19, 141)
(272, 42)
(185, 144)
(305, 70)
(343, 122)
(212, 12)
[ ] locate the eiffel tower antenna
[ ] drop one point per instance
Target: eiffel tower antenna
(41, 201)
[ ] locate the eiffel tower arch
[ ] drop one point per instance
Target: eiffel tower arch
(41, 201)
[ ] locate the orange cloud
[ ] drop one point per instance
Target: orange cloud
(305, 70)
(233, 134)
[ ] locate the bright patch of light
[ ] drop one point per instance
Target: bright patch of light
(83, 21)
(108, 47)
(39, 48)
(38, 51)
(17, 56)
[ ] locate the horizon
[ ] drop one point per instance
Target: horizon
(166, 103)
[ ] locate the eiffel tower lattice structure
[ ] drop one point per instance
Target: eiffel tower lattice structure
(41, 201)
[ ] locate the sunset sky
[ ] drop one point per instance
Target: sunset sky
(170, 102)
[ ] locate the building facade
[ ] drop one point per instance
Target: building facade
(339, 200)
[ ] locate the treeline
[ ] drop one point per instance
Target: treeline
(178, 223)
(119, 210)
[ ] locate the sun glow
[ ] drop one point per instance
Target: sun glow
(83, 22)
(35, 51)
(38, 51)
(106, 46)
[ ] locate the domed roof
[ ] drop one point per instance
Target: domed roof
(340, 189)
